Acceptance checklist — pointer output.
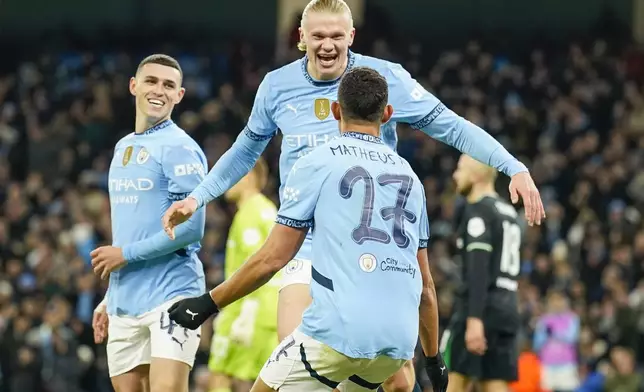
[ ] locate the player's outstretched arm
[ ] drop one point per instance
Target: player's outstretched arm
(452, 129)
(233, 165)
(428, 328)
(428, 310)
(294, 220)
(425, 112)
(159, 244)
(281, 246)
(107, 259)
(241, 157)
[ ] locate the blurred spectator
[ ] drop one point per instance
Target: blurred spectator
(555, 341)
(623, 378)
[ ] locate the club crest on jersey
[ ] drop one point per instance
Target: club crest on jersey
(368, 262)
(293, 266)
(142, 156)
(322, 108)
(127, 155)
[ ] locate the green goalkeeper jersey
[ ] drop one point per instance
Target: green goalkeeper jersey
(250, 228)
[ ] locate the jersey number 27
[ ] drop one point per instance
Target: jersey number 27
(364, 231)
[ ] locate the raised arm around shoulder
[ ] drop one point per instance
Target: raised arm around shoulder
(280, 247)
(242, 155)
(422, 110)
(428, 310)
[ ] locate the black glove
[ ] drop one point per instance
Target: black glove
(192, 312)
(437, 372)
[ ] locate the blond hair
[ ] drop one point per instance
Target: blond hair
(330, 6)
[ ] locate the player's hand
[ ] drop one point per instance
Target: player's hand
(475, 341)
(437, 372)
(179, 212)
(192, 312)
(106, 260)
(523, 186)
(100, 322)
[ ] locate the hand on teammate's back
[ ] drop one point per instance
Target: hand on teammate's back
(437, 372)
(178, 213)
(522, 185)
(192, 312)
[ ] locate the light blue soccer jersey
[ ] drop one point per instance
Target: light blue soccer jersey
(367, 209)
(148, 172)
(290, 100)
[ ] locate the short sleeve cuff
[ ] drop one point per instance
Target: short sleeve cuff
(429, 118)
(294, 223)
(422, 244)
(256, 137)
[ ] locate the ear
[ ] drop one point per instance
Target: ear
(133, 85)
(337, 112)
(387, 113)
(182, 92)
(301, 31)
(352, 35)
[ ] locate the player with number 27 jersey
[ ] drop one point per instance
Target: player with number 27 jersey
(290, 100)
(370, 220)
(370, 273)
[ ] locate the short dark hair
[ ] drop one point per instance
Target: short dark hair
(161, 59)
(363, 95)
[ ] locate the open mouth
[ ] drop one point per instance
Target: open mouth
(156, 103)
(327, 60)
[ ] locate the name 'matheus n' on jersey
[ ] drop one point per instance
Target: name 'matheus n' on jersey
(290, 101)
(368, 213)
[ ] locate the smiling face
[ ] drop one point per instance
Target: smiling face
(327, 37)
(157, 89)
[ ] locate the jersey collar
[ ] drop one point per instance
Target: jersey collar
(320, 83)
(158, 127)
(364, 137)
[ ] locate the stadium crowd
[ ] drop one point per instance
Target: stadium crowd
(573, 115)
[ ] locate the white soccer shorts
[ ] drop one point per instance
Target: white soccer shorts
(301, 363)
(297, 271)
(134, 341)
(564, 377)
